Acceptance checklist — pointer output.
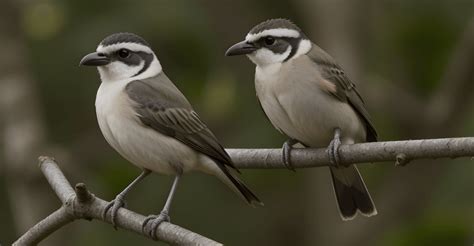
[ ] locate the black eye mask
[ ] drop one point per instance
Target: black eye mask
(295, 43)
(147, 57)
(281, 45)
(134, 59)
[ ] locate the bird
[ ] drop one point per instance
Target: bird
(308, 97)
(150, 123)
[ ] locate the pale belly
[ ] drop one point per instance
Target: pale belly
(146, 148)
(310, 116)
(141, 145)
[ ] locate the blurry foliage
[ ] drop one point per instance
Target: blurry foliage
(409, 42)
(441, 230)
(419, 36)
(42, 20)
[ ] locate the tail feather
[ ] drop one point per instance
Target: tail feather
(232, 181)
(351, 193)
(238, 186)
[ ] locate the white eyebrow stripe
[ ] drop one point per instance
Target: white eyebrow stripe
(128, 45)
(277, 32)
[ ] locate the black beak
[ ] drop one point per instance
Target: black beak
(241, 48)
(94, 59)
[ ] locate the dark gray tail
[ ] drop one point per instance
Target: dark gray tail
(231, 180)
(351, 193)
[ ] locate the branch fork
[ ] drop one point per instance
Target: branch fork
(79, 203)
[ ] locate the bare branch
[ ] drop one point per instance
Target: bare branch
(56, 178)
(358, 153)
(44, 228)
(81, 204)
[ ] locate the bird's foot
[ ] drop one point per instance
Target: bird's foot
(333, 148)
(286, 153)
(152, 222)
(113, 206)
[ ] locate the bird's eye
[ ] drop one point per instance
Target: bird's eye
(124, 53)
(269, 40)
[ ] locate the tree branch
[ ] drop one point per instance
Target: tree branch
(81, 204)
(44, 228)
(397, 151)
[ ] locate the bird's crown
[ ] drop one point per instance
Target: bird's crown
(275, 28)
(123, 37)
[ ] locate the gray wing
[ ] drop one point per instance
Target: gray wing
(161, 106)
(345, 89)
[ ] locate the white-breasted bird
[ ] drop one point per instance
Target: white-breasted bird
(307, 96)
(145, 118)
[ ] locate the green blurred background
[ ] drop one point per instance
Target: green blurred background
(413, 62)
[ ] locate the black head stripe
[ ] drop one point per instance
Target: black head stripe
(274, 24)
(123, 37)
(133, 60)
(280, 48)
(282, 45)
(148, 58)
(295, 43)
(288, 41)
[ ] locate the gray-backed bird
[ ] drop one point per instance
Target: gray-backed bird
(145, 118)
(307, 96)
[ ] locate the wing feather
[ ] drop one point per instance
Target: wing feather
(345, 89)
(161, 106)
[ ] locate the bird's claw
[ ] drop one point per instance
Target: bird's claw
(152, 222)
(113, 206)
(333, 148)
(286, 154)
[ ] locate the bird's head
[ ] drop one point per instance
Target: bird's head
(122, 56)
(272, 41)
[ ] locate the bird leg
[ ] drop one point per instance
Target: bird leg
(287, 146)
(333, 148)
(119, 202)
(152, 222)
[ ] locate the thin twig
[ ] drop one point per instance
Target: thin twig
(81, 204)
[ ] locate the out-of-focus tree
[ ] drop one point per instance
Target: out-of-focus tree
(411, 61)
(22, 131)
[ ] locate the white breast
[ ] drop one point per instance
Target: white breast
(143, 146)
(296, 104)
